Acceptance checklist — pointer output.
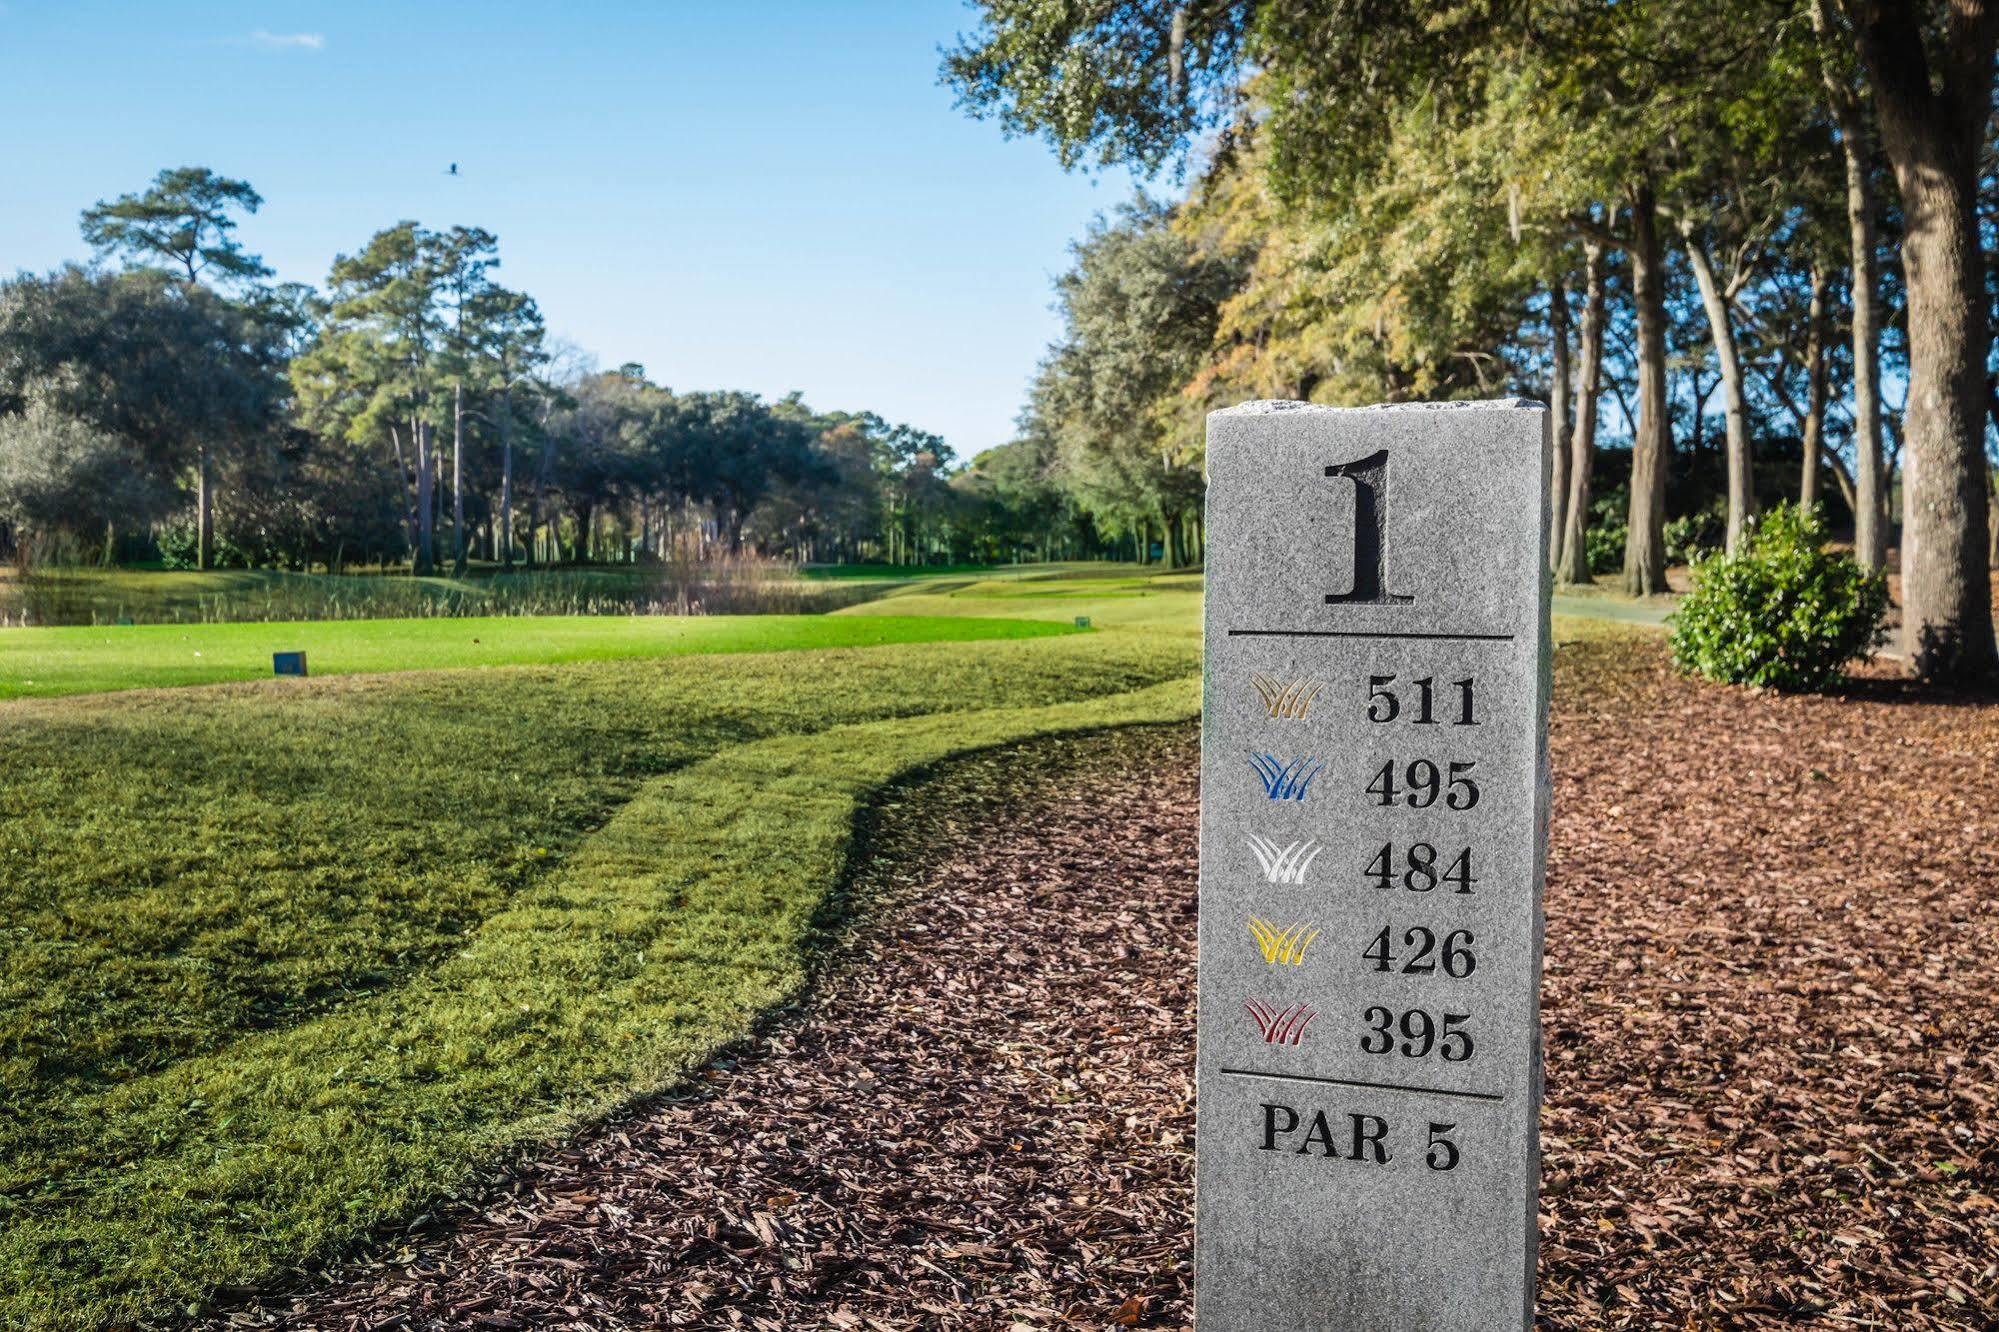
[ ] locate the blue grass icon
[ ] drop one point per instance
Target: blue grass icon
(1285, 781)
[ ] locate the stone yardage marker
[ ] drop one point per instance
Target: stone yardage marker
(1374, 800)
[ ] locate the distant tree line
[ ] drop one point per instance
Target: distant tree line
(169, 402)
(1745, 249)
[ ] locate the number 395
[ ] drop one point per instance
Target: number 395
(1421, 1034)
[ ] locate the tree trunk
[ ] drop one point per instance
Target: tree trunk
(204, 506)
(1946, 583)
(1573, 564)
(458, 480)
(1645, 542)
(1721, 327)
(1870, 507)
(1558, 414)
(1814, 430)
(506, 486)
(403, 489)
(426, 510)
(1933, 126)
(1870, 479)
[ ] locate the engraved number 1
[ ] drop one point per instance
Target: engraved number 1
(1370, 531)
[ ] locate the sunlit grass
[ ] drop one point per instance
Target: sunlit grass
(285, 960)
(76, 660)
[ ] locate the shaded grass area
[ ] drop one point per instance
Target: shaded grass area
(77, 660)
(180, 596)
(281, 963)
(109, 596)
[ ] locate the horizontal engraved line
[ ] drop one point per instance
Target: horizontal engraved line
(1373, 1086)
(1367, 633)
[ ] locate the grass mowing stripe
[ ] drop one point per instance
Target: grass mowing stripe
(47, 663)
(181, 867)
(662, 938)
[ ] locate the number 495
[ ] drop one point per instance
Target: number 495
(1422, 782)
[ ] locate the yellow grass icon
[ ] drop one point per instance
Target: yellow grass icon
(1281, 944)
(1282, 699)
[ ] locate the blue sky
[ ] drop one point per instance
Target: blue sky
(769, 196)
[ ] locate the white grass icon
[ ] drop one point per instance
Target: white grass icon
(1286, 864)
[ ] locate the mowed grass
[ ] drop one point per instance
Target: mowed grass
(88, 659)
(1161, 603)
(284, 961)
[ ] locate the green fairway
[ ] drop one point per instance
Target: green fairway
(78, 660)
(1156, 602)
(286, 961)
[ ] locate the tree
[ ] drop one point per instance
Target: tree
(461, 258)
(736, 451)
(1140, 309)
(1930, 69)
(376, 363)
(183, 220)
(65, 482)
(1572, 557)
(507, 348)
(176, 373)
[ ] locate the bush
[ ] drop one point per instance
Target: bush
(1697, 534)
(179, 548)
(1784, 611)
(1603, 544)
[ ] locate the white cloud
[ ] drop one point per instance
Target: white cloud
(286, 41)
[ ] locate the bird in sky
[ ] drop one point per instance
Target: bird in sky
(453, 171)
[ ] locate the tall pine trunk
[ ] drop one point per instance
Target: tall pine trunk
(426, 509)
(1645, 539)
(403, 490)
(1721, 328)
(506, 484)
(1558, 414)
(458, 480)
(204, 504)
(1572, 566)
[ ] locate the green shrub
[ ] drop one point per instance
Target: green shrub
(1783, 611)
(1697, 534)
(1603, 545)
(180, 549)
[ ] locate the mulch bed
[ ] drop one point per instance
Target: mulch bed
(1771, 1033)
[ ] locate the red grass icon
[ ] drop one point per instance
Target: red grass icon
(1280, 1028)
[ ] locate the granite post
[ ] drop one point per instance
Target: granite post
(1374, 799)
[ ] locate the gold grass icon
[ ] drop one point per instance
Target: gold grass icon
(1281, 699)
(1282, 944)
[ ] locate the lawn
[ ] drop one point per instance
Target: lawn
(284, 961)
(90, 659)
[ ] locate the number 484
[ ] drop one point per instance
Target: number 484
(1417, 870)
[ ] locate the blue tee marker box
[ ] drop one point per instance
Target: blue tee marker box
(288, 663)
